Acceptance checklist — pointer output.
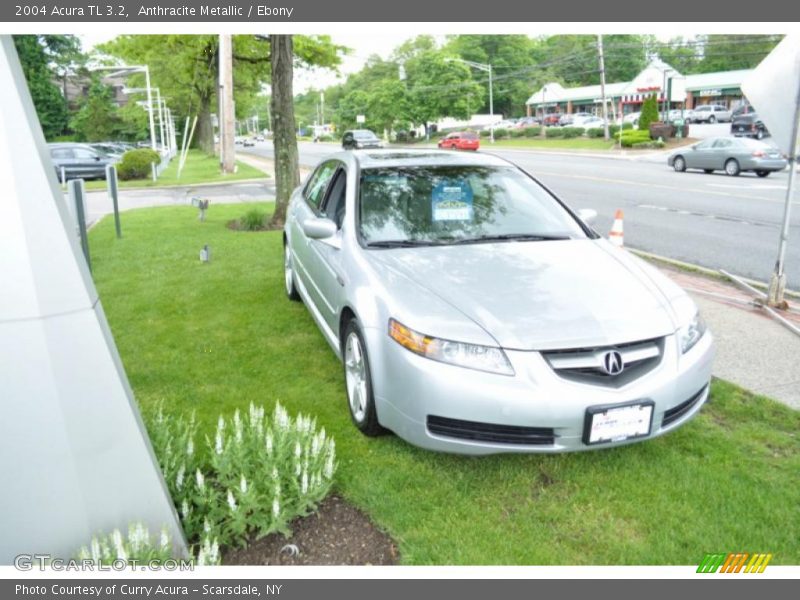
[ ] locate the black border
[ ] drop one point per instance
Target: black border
(598, 408)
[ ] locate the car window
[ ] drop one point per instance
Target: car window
(445, 204)
(61, 153)
(723, 143)
(334, 204)
(704, 144)
(315, 190)
(84, 153)
(469, 136)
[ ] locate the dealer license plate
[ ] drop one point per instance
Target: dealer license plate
(618, 422)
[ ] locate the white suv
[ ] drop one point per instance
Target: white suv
(711, 113)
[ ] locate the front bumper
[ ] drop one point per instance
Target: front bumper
(409, 390)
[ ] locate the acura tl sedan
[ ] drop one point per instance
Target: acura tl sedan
(474, 312)
(731, 155)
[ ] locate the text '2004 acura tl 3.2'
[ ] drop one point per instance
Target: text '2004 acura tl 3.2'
(474, 312)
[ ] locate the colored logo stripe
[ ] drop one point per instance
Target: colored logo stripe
(734, 563)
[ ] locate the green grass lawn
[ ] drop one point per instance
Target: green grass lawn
(551, 144)
(199, 168)
(215, 337)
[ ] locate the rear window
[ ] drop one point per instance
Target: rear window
(468, 135)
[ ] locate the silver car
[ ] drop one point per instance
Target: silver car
(711, 113)
(732, 155)
(476, 313)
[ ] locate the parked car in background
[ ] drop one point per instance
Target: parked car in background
(589, 122)
(732, 155)
(249, 142)
(527, 122)
(360, 138)
(632, 118)
(676, 114)
(460, 140)
(504, 124)
(749, 125)
(552, 119)
(743, 109)
(569, 119)
(711, 113)
(474, 312)
(79, 161)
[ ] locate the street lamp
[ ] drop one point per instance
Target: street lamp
(123, 70)
(162, 111)
(487, 68)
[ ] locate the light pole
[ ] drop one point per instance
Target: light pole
(488, 69)
(122, 70)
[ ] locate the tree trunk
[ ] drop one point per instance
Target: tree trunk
(287, 172)
(205, 131)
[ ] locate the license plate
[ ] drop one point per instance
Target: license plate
(618, 422)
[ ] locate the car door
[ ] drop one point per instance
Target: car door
(87, 163)
(721, 151)
(701, 157)
(325, 256)
(307, 208)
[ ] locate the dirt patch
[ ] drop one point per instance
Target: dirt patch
(338, 534)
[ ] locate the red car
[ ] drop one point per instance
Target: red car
(461, 140)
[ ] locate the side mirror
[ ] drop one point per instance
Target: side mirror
(587, 215)
(319, 228)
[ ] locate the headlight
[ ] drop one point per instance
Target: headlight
(690, 334)
(470, 356)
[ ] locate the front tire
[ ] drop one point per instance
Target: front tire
(732, 167)
(760, 134)
(679, 164)
(288, 274)
(358, 381)
(712, 119)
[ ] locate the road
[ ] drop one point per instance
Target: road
(713, 220)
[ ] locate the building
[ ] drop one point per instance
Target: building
(684, 91)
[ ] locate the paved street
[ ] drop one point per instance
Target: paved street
(712, 220)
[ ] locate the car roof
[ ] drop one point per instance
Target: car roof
(370, 159)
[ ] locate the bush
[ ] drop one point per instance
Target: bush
(572, 132)
(596, 132)
(500, 133)
(253, 220)
(327, 137)
(652, 144)
(135, 164)
(634, 136)
(485, 133)
(532, 131)
(253, 477)
(554, 132)
(517, 132)
(649, 113)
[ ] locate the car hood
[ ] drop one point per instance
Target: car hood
(539, 295)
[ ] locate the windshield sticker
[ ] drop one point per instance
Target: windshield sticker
(452, 201)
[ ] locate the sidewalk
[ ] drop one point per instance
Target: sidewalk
(753, 350)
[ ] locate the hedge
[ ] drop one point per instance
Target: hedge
(135, 164)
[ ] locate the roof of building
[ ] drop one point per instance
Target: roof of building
(720, 79)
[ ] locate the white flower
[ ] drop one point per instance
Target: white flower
(328, 469)
(201, 482)
(276, 507)
(190, 447)
(185, 510)
(164, 541)
(269, 442)
(304, 483)
(315, 446)
(218, 442)
(119, 546)
(206, 526)
(179, 477)
(237, 424)
(297, 450)
(231, 501)
(243, 485)
(274, 473)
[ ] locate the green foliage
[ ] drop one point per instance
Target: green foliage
(614, 128)
(98, 119)
(252, 478)
(136, 164)
(596, 132)
(253, 220)
(571, 132)
(532, 131)
(500, 133)
(712, 53)
(138, 548)
(45, 59)
(517, 132)
(649, 113)
(652, 144)
(634, 136)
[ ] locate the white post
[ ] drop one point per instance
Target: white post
(491, 105)
(150, 107)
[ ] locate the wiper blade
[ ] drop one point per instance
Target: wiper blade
(401, 243)
(512, 237)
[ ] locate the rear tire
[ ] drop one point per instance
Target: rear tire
(679, 164)
(712, 119)
(762, 173)
(732, 167)
(358, 381)
(288, 274)
(760, 134)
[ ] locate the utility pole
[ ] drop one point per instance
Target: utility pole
(227, 116)
(606, 135)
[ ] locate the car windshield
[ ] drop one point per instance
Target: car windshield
(427, 205)
(364, 135)
(468, 135)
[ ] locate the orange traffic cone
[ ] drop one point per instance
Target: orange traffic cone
(615, 235)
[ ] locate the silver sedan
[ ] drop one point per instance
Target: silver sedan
(732, 155)
(474, 312)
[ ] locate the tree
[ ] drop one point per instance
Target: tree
(98, 119)
(44, 59)
(287, 171)
(649, 113)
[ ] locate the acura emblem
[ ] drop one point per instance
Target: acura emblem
(612, 363)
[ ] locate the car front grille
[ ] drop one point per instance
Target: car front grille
(490, 432)
(585, 365)
(676, 412)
